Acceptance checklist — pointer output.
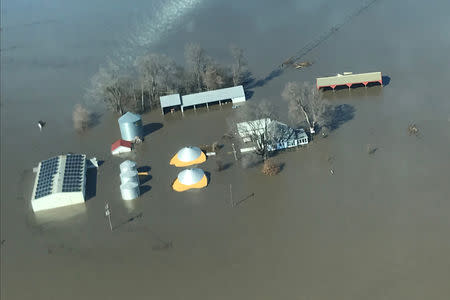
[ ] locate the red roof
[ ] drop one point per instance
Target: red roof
(119, 143)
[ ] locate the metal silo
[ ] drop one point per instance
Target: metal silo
(127, 165)
(129, 176)
(129, 190)
(131, 126)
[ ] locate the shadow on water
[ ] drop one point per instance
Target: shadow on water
(261, 82)
(129, 220)
(144, 178)
(339, 115)
(244, 199)
(144, 189)
(248, 94)
(151, 127)
(208, 177)
(226, 166)
(91, 183)
(94, 119)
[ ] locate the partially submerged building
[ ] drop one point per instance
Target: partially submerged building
(120, 146)
(279, 135)
(349, 79)
(60, 181)
(234, 94)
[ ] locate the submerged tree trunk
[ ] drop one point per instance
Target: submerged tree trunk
(142, 97)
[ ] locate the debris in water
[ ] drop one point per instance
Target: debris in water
(412, 129)
(41, 124)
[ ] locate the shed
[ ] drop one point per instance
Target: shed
(120, 146)
(235, 94)
(131, 126)
(169, 101)
(349, 79)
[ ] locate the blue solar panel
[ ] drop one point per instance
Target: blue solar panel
(48, 170)
(73, 173)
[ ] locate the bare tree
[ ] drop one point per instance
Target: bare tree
(108, 86)
(252, 123)
(213, 79)
(81, 118)
(196, 62)
(305, 103)
(158, 75)
(239, 66)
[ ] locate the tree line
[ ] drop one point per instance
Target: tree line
(137, 87)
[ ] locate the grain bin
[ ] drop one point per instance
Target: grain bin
(127, 165)
(129, 190)
(127, 176)
(190, 179)
(131, 126)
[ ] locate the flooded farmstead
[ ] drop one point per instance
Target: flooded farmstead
(190, 149)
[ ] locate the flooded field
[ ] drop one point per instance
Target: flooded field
(375, 229)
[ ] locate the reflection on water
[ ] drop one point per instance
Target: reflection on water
(60, 215)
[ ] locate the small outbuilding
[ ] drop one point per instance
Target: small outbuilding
(170, 102)
(120, 146)
(188, 156)
(190, 179)
(131, 126)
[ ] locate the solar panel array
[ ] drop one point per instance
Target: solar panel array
(73, 173)
(47, 172)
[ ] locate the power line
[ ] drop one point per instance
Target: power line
(327, 34)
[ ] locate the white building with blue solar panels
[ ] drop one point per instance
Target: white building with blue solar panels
(60, 181)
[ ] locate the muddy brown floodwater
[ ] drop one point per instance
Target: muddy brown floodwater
(377, 228)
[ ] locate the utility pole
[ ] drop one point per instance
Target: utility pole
(108, 214)
(231, 196)
(234, 151)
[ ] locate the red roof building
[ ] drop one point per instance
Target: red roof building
(120, 146)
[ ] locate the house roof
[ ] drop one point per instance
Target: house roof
(283, 132)
(119, 143)
(213, 96)
(277, 129)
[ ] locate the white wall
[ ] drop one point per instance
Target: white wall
(57, 200)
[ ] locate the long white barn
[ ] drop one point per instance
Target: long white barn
(348, 79)
(236, 94)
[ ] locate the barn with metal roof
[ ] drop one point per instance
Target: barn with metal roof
(170, 101)
(60, 181)
(234, 94)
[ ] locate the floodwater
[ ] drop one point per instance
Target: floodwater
(376, 229)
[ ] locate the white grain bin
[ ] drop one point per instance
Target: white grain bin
(131, 126)
(188, 156)
(191, 176)
(130, 175)
(127, 165)
(129, 190)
